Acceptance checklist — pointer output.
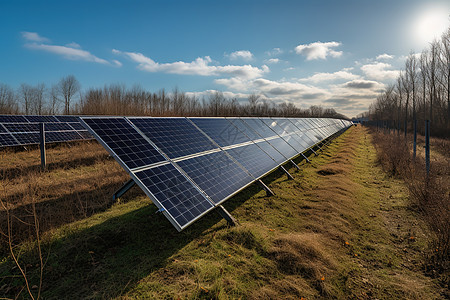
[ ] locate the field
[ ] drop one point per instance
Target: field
(342, 229)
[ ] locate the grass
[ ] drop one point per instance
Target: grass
(341, 229)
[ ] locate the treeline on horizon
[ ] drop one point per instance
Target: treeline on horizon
(421, 92)
(66, 97)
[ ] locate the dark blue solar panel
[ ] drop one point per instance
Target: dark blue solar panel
(222, 131)
(252, 158)
(216, 174)
(12, 119)
(22, 127)
(176, 137)
(175, 193)
(61, 136)
(27, 138)
(68, 118)
(77, 126)
(2, 129)
(130, 146)
(259, 126)
(285, 129)
(7, 140)
(245, 129)
(58, 127)
(41, 119)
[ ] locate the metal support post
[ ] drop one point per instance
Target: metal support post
(295, 165)
(314, 151)
(42, 145)
(128, 185)
(227, 216)
(289, 176)
(306, 158)
(266, 188)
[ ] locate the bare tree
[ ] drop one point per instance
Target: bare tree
(26, 97)
(68, 87)
(7, 100)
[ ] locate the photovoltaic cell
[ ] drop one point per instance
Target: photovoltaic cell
(12, 119)
(21, 127)
(223, 132)
(260, 127)
(76, 126)
(27, 138)
(281, 145)
(6, 140)
(176, 137)
(216, 174)
(74, 119)
(41, 119)
(272, 152)
(244, 128)
(128, 144)
(174, 193)
(58, 127)
(2, 129)
(51, 137)
(252, 158)
(85, 134)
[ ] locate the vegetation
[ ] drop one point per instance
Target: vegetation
(66, 97)
(422, 92)
(335, 231)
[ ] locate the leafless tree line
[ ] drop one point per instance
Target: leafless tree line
(66, 97)
(421, 92)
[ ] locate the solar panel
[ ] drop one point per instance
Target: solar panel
(222, 131)
(21, 127)
(125, 142)
(252, 158)
(12, 119)
(175, 194)
(74, 119)
(175, 137)
(189, 166)
(76, 126)
(85, 134)
(41, 119)
(27, 138)
(59, 127)
(51, 137)
(216, 174)
(2, 129)
(7, 139)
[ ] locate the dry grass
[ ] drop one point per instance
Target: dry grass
(430, 194)
(329, 233)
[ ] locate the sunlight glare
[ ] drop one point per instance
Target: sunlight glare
(431, 24)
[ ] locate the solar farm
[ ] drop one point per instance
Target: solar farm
(125, 207)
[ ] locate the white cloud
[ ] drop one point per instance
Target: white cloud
(200, 66)
(318, 50)
(33, 37)
(344, 74)
(74, 45)
(274, 52)
(272, 61)
(384, 56)
(117, 63)
(241, 54)
(379, 71)
(68, 52)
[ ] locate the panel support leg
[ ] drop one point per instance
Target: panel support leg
(315, 153)
(289, 176)
(265, 187)
(128, 185)
(295, 165)
(306, 158)
(227, 216)
(42, 145)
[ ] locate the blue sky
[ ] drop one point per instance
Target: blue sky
(337, 54)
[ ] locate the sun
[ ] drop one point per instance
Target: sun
(430, 25)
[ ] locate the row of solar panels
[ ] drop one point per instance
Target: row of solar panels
(188, 166)
(20, 130)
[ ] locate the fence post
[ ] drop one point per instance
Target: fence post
(427, 145)
(42, 144)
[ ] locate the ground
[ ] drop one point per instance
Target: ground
(341, 229)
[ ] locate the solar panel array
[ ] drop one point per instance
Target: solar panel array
(20, 130)
(188, 166)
